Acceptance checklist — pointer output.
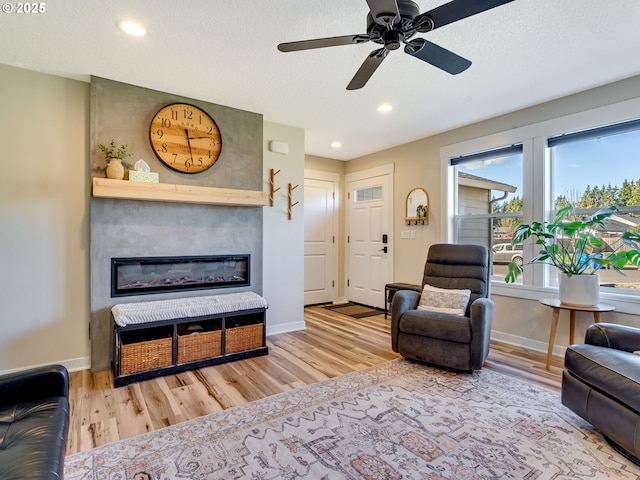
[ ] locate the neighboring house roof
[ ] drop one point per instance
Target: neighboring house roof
(469, 180)
(620, 223)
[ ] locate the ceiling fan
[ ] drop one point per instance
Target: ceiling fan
(391, 23)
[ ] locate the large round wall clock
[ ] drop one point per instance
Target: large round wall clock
(185, 138)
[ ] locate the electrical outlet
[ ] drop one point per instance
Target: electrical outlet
(405, 234)
(413, 233)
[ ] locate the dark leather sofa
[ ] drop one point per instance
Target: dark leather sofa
(601, 383)
(34, 423)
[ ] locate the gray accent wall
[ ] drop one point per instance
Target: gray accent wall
(122, 228)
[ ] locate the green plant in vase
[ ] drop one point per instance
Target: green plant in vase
(114, 155)
(574, 245)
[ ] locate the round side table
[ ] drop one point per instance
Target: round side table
(556, 305)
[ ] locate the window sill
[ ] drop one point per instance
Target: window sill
(623, 303)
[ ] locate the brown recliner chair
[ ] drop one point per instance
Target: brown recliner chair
(601, 383)
(454, 341)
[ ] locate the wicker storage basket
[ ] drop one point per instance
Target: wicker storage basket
(199, 345)
(239, 339)
(146, 355)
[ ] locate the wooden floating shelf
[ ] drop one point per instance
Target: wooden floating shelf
(167, 192)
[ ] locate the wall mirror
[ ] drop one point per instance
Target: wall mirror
(417, 207)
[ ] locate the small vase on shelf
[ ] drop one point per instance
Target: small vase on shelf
(115, 169)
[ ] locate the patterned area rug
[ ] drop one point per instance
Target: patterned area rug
(354, 310)
(398, 420)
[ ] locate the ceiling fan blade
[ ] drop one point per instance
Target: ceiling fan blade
(384, 12)
(454, 11)
(323, 42)
(437, 56)
(371, 63)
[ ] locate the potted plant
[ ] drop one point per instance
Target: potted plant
(421, 211)
(574, 246)
(114, 155)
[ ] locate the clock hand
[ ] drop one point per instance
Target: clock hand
(188, 143)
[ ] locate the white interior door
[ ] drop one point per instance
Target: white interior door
(370, 239)
(319, 240)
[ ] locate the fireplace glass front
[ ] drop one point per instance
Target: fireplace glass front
(143, 275)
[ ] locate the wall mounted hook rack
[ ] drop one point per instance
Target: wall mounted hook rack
(291, 189)
(272, 189)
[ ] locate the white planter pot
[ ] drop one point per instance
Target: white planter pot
(582, 290)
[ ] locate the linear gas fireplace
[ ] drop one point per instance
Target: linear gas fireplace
(143, 275)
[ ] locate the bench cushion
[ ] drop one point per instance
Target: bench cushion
(144, 312)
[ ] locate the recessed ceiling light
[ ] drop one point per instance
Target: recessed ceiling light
(131, 27)
(336, 144)
(385, 107)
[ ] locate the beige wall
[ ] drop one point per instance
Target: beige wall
(44, 210)
(283, 244)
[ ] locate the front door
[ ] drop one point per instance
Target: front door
(370, 238)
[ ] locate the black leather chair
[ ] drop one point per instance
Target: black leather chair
(34, 423)
(454, 341)
(601, 383)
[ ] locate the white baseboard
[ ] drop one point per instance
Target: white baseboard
(73, 365)
(535, 345)
(286, 327)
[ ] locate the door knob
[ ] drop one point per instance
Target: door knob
(383, 249)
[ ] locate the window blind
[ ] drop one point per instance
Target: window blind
(593, 133)
(497, 153)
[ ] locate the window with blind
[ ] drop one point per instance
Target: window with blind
(489, 202)
(598, 168)
(496, 190)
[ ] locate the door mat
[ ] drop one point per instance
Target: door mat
(354, 310)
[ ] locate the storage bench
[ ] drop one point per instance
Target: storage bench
(168, 336)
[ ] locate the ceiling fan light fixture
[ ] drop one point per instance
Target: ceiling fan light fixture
(384, 108)
(131, 27)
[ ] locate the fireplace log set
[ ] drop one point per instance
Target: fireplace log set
(144, 275)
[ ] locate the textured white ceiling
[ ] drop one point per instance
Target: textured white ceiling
(222, 51)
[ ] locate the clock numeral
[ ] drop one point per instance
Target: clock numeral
(160, 133)
(166, 123)
(188, 163)
(213, 143)
(164, 148)
(200, 161)
(209, 130)
(174, 115)
(188, 114)
(175, 157)
(209, 153)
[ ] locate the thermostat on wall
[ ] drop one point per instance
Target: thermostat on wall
(278, 147)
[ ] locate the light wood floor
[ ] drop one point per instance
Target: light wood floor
(332, 345)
